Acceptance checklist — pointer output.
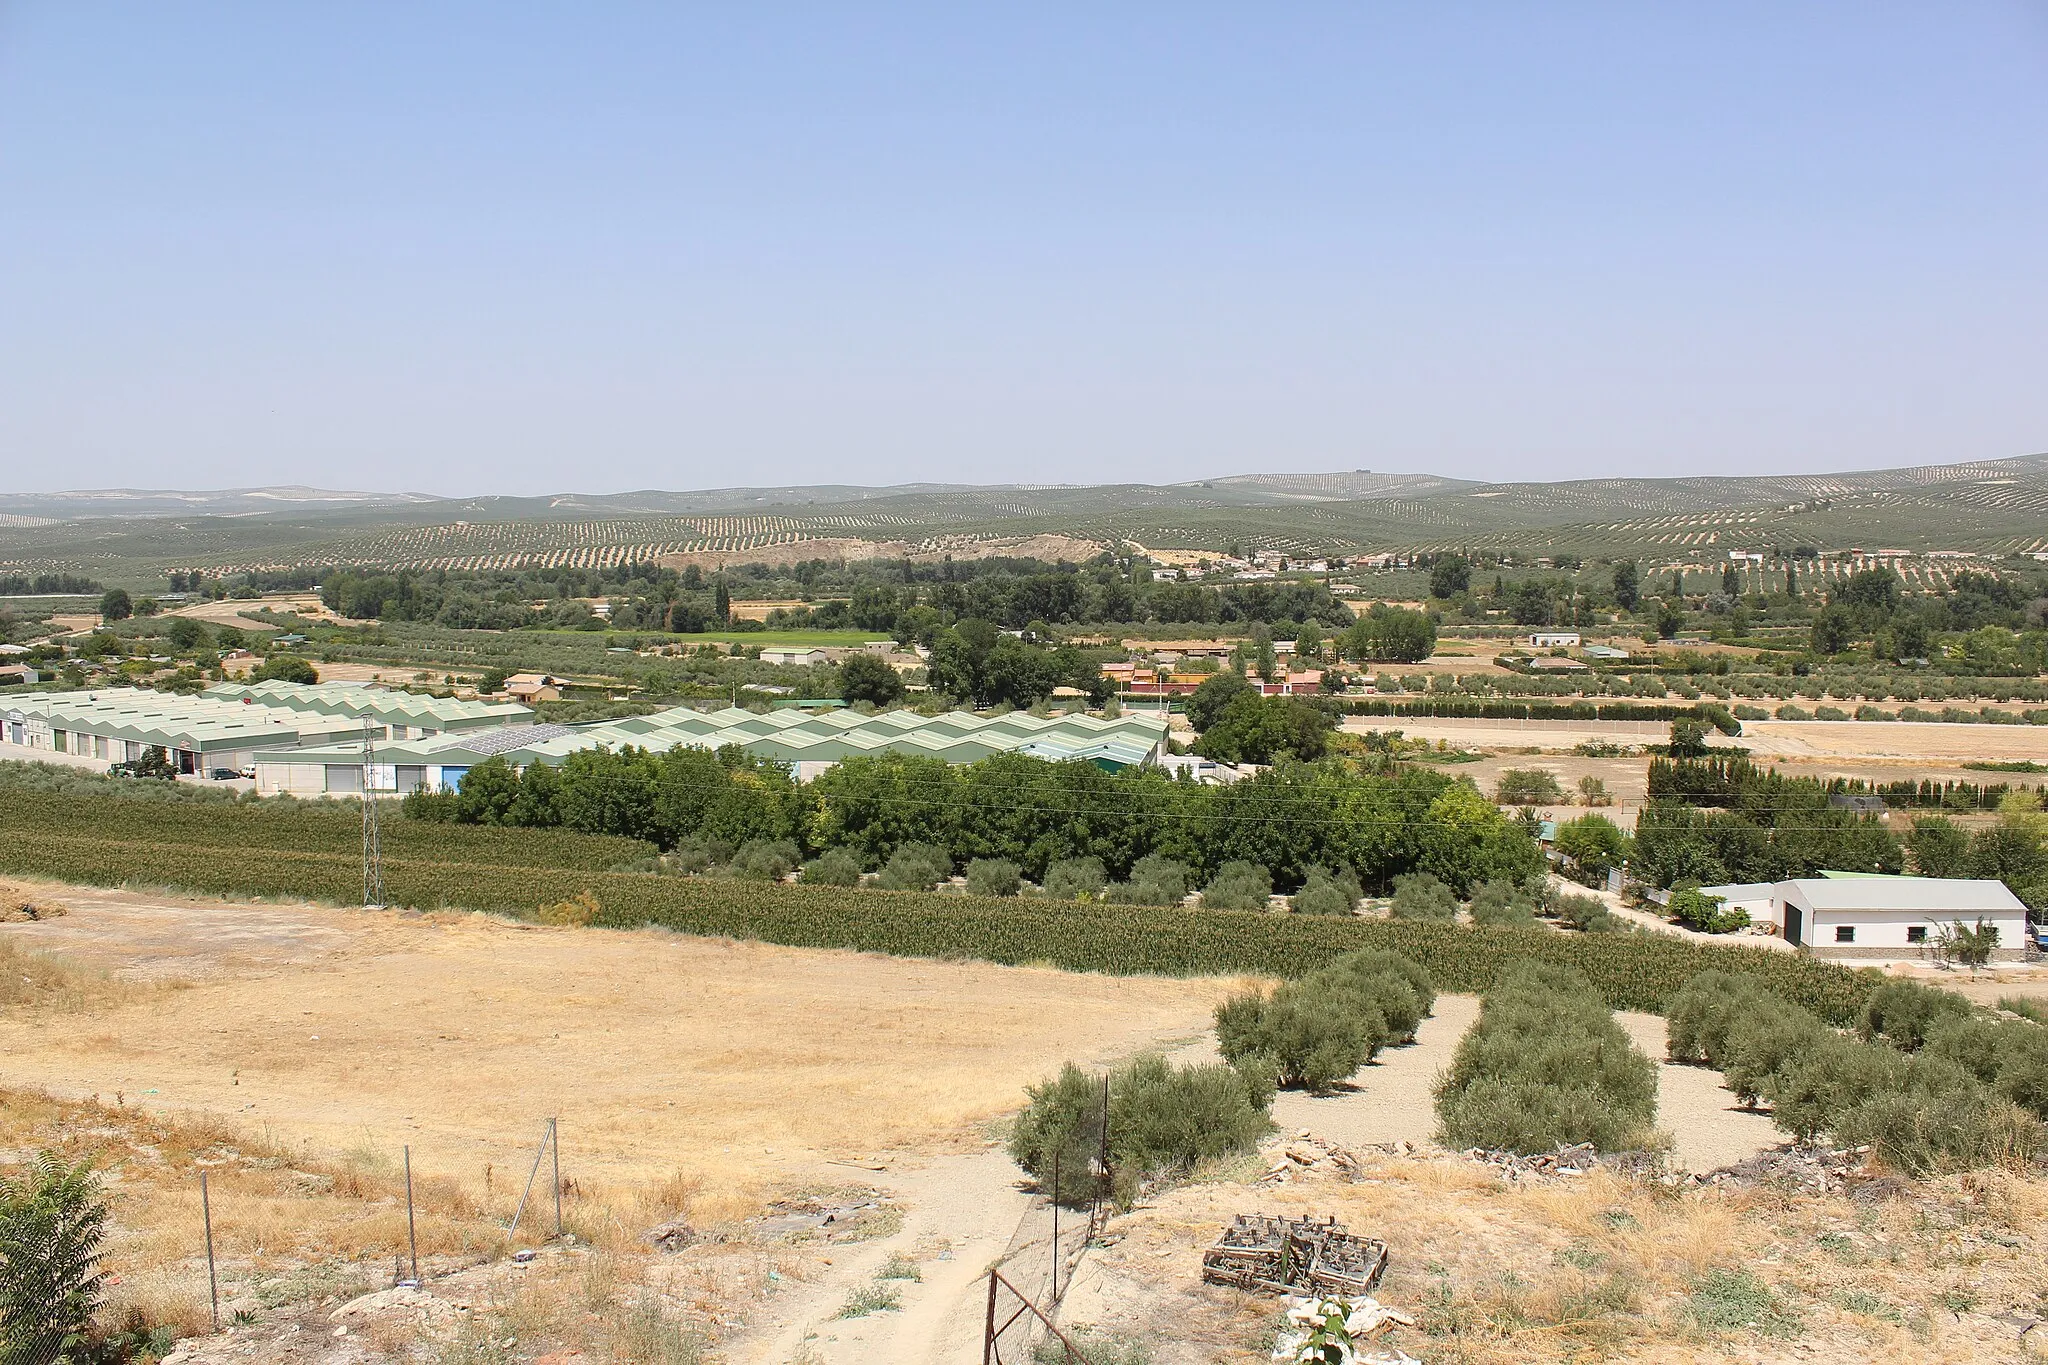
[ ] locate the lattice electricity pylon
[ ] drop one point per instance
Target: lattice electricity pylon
(373, 855)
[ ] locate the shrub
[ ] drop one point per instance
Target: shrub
(1528, 787)
(1971, 1096)
(1545, 1064)
(1588, 914)
(1593, 844)
(1903, 1013)
(993, 877)
(833, 867)
(1163, 1121)
(1320, 1029)
(1421, 895)
(1791, 712)
(52, 1224)
(1155, 880)
(1593, 792)
(915, 867)
(765, 860)
(1075, 879)
(1238, 886)
(1325, 893)
(576, 912)
(1870, 713)
(1503, 905)
(1702, 913)
(699, 853)
(1747, 712)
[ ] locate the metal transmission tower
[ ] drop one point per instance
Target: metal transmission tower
(373, 857)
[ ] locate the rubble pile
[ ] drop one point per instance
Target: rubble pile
(1803, 1166)
(1304, 1155)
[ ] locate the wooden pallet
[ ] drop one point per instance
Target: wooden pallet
(1295, 1256)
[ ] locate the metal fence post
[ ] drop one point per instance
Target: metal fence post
(412, 1238)
(212, 1280)
(555, 1147)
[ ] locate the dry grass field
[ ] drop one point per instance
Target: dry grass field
(461, 1034)
(820, 1130)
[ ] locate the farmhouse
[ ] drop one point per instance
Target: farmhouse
(527, 688)
(799, 655)
(1554, 639)
(809, 742)
(1893, 917)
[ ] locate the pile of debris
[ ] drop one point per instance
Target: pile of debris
(1304, 1155)
(1805, 1167)
(1575, 1159)
(1295, 1256)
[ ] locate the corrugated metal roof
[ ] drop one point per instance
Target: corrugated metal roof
(379, 703)
(787, 736)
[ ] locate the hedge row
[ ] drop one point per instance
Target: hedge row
(1463, 708)
(1631, 971)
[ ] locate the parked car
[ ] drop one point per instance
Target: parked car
(224, 774)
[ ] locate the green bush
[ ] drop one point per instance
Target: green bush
(766, 860)
(1546, 1064)
(1163, 1121)
(1075, 879)
(1155, 880)
(1502, 904)
(1971, 1095)
(1238, 886)
(1528, 787)
(1588, 914)
(1791, 712)
(915, 867)
(833, 867)
(1704, 914)
(1318, 1030)
(1422, 895)
(1903, 1013)
(1326, 893)
(993, 877)
(698, 853)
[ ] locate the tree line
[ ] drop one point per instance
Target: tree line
(1288, 820)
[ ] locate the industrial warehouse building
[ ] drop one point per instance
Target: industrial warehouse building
(809, 743)
(227, 726)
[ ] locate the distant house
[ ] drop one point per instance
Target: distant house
(532, 687)
(1605, 652)
(1894, 917)
(16, 675)
(1303, 683)
(1554, 639)
(798, 655)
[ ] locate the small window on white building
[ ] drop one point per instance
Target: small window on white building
(1845, 933)
(1916, 933)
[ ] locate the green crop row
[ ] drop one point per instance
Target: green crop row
(1631, 971)
(320, 828)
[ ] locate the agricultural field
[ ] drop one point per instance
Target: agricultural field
(1987, 507)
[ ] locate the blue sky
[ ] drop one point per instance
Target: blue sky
(527, 248)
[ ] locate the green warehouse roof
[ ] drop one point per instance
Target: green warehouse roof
(383, 705)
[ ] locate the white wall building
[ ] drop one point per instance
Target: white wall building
(1894, 917)
(1554, 639)
(1757, 899)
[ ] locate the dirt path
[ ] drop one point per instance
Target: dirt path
(961, 1215)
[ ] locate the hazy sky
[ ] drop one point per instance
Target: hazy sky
(524, 248)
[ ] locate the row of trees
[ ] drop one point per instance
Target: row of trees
(1288, 820)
